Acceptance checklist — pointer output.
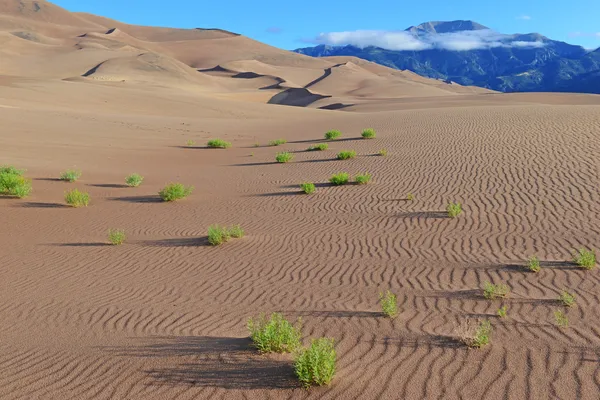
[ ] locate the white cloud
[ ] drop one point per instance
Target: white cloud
(524, 17)
(402, 40)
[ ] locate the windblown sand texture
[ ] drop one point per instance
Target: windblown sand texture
(163, 316)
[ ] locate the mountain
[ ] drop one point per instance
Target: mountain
(471, 54)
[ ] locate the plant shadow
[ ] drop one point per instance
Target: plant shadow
(326, 141)
(336, 314)
(419, 340)
(424, 215)
(96, 244)
(42, 205)
(138, 199)
(469, 294)
(256, 164)
(179, 242)
(108, 185)
(49, 179)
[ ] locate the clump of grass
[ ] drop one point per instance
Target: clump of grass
(134, 180)
(474, 334)
(12, 183)
(70, 175)
(277, 142)
(319, 147)
(382, 152)
(116, 236)
(567, 299)
(284, 157)
(561, 319)
(533, 264)
(175, 191)
(308, 187)
(219, 234)
(492, 292)
(346, 154)
(275, 334)
(339, 179)
(410, 197)
(389, 304)
(362, 179)
(236, 231)
(256, 144)
(502, 312)
(369, 133)
(218, 144)
(190, 143)
(585, 258)
(75, 198)
(454, 210)
(315, 365)
(333, 134)
(9, 169)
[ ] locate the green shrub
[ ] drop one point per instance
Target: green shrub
(502, 312)
(492, 292)
(315, 365)
(585, 258)
(70, 175)
(319, 147)
(346, 155)
(116, 236)
(566, 298)
(236, 231)
(175, 191)
(284, 157)
(9, 169)
(410, 197)
(218, 144)
(277, 142)
(454, 209)
(308, 187)
(274, 335)
(474, 334)
(190, 143)
(368, 133)
(75, 198)
(363, 179)
(134, 180)
(256, 144)
(219, 234)
(339, 179)
(561, 319)
(13, 184)
(533, 264)
(383, 152)
(333, 134)
(389, 304)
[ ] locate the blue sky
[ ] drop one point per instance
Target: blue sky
(287, 24)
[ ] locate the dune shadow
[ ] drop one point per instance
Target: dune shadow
(424, 215)
(31, 204)
(178, 242)
(138, 199)
(218, 362)
(335, 106)
(108, 185)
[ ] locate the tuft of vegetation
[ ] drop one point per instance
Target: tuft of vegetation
(190, 143)
(333, 134)
(492, 292)
(319, 147)
(383, 152)
(116, 236)
(12, 183)
(454, 210)
(219, 234)
(175, 191)
(561, 319)
(134, 180)
(315, 365)
(410, 197)
(9, 169)
(363, 179)
(275, 334)
(284, 157)
(346, 155)
(75, 198)
(256, 144)
(70, 175)
(567, 299)
(339, 179)
(389, 304)
(236, 231)
(369, 133)
(218, 144)
(533, 264)
(308, 187)
(474, 334)
(277, 142)
(502, 312)
(585, 258)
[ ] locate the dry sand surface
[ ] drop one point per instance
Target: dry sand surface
(163, 316)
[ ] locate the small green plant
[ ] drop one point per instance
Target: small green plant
(346, 155)
(219, 234)
(256, 144)
(190, 143)
(383, 152)
(75, 198)
(116, 236)
(585, 258)
(218, 144)
(70, 175)
(339, 179)
(475, 334)
(275, 334)
(533, 264)
(315, 365)
(13, 184)
(389, 304)
(134, 180)
(363, 179)
(277, 142)
(454, 210)
(319, 147)
(368, 133)
(9, 169)
(492, 292)
(236, 231)
(561, 319)
(567, 299)
(410, 197)
(502, 312)
(175, 191)
(308, 187)
(333, 134)
(284, 157)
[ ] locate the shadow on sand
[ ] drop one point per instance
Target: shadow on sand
(178, 242)
(139, 199)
